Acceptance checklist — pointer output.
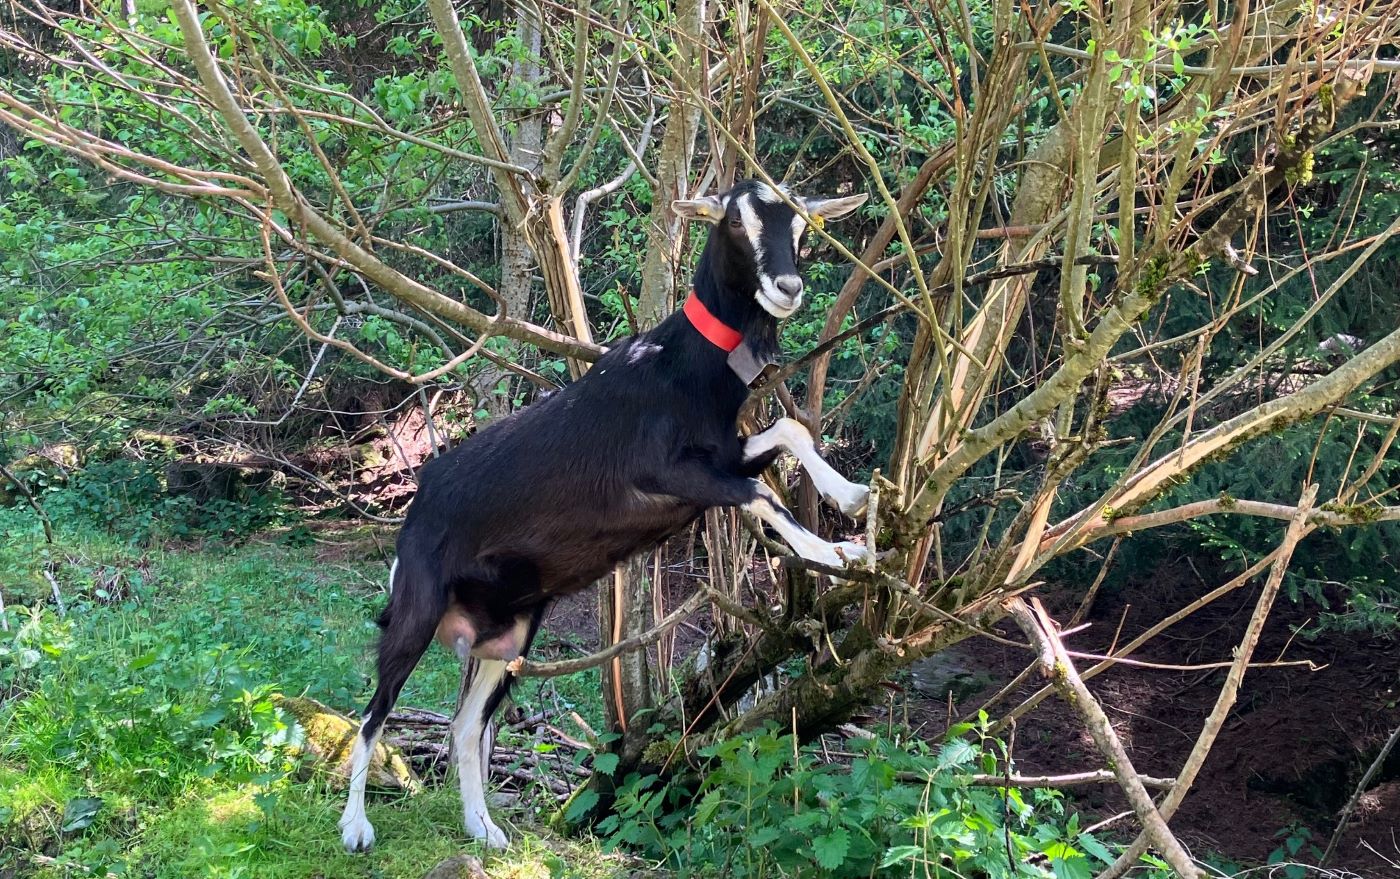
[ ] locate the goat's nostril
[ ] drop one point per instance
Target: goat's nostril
(791, 285)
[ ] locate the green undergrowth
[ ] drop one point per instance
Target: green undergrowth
(138, 736)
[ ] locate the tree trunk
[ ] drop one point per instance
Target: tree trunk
(657, 297)
(516, 284)
(626, 610)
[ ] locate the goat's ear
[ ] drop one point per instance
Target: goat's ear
(834, 208)
(710, 209)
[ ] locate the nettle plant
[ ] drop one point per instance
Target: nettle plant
(772, 807)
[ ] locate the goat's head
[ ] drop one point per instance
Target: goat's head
(757, 237)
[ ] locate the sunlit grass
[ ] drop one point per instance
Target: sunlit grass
(150, 697)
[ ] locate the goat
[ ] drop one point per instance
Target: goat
(549, 499)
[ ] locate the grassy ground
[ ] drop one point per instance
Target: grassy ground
(141, 722)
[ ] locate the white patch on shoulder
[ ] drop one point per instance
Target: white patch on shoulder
(640, 351)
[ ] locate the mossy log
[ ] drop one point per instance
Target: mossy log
(330, 737)
(459, 867)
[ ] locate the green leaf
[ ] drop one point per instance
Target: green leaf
(1095, 848)
(210, 718)
(581, 806)
(80, 813)
(605, 763)
(830, 848)
(958, 752)
(898, 854)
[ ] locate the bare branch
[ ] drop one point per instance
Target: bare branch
(1057, 666)
(525, 669)
(1298, 528)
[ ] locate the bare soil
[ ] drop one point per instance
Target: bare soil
(1289, 755)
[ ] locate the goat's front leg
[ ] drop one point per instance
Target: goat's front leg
(771, 512)
(788, 433)
(700, 484)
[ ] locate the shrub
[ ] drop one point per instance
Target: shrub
(771, 808)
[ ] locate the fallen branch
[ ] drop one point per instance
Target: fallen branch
(1057, 666)
(1156, 629)
(33, 502)
(1297, 529)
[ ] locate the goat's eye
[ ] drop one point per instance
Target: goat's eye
(736, 223)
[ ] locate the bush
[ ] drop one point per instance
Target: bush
(130, 498)
(769, 808)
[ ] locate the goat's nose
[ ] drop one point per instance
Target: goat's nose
(791, 285)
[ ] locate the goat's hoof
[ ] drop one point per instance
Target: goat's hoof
(852, 552)
(855, 501)
(356, 833)
(483, 828)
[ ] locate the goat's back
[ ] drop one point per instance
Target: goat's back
(544, 502)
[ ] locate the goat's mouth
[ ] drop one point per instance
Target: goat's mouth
(776, 304)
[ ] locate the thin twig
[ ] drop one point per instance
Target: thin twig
(1356, 796)
(523, 668)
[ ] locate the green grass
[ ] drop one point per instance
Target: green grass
(152, 696)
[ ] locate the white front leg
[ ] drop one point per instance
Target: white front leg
(809, 546)
(789, 434)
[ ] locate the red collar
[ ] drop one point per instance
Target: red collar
(722, 336)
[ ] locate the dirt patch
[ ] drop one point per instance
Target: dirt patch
(1289, 755)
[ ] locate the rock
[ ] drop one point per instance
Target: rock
(329, 739)
(460, 867)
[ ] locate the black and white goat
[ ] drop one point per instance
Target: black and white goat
(547, 501)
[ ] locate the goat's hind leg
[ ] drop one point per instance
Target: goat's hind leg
(487, 681)
(408, 630)
(788, 433)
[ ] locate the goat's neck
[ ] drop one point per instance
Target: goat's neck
(738, 309)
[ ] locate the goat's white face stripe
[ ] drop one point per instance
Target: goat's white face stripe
(753, 229)
(798, 225)
(769, 295)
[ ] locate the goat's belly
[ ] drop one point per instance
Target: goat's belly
(575, 564)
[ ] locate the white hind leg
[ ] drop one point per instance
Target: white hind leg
(355, 830)
(469, 728)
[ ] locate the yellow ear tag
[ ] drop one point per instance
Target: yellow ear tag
(819, 221)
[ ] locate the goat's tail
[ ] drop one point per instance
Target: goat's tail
(387, 613)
